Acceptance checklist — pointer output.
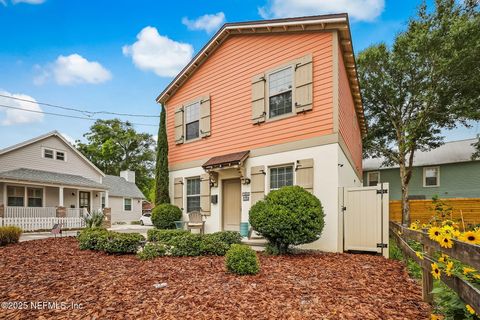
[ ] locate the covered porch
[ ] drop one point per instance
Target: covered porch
(28, 197)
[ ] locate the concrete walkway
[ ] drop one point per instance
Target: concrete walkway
(123, 228)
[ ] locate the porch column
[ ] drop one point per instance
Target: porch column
(60, 196)
(107, 204)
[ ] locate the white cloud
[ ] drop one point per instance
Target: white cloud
(158, 53)
(3, 2)
(72, 69)
(15, 116)
(207, 22)
(28, 1)
(360, 10)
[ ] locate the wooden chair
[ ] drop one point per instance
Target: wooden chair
(195, 221)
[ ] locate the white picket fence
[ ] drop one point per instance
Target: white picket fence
(43, 223)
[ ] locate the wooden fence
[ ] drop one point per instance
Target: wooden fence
(464, 252)
(43, 223)
(422, 210)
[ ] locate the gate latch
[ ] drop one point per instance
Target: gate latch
(382, 245)
(382, 191)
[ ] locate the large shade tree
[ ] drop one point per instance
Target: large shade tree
(113, 146)
(426, 82)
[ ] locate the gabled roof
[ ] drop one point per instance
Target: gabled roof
(54, 133)
(338, 22)
(55, 178)
(226, 160)
(119, 187)
(450, 152)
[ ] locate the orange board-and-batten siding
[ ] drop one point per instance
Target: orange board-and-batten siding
(226, 76)
(348, 122)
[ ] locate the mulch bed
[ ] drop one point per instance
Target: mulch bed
(304, 286)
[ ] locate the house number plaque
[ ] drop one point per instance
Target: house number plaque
(246, 196)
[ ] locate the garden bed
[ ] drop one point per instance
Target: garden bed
(315, 286)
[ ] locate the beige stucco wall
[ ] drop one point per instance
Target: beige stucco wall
(31, 157)
(120, 215)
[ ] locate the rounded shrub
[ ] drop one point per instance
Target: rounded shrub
(165, 215)
(242, 260)
(92, 238)
(212, 244)
(288, 216)
(165, 236)
(121, 243)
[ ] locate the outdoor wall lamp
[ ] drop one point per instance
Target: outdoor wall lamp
(246, 181)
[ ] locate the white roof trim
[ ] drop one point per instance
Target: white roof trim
(54, 133)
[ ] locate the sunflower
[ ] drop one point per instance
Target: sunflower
(449, 268)
(470, 309)
(448, 230)
(419, 255)
(435, 271)
(445, 241)
(434, 233)
(436, 317)
(470, 237)
(456, 233)
(467, 270)
(413, 226)
(443, 258)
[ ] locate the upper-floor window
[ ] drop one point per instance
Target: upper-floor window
(54, 154)
(431, 176)
(193, 194)
(281, 177)
(15, 196)
(60, 155)
(373, 178)
(280, 85)
(48, 153)
(127, 204)
(192, 121)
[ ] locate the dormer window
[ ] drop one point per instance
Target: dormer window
(48, 153)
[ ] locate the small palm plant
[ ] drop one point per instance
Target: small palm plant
(94, 220)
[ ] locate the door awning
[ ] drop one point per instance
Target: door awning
(225, 161)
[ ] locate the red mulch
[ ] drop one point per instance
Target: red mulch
(313, 286)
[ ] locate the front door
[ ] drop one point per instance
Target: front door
(84, 200)
(231, 204)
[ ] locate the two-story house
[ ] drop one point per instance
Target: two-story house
(266, 104)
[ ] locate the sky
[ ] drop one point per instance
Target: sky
(117, 56)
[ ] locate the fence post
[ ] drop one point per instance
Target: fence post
(107, 223)
(427, 278)
(2, 214)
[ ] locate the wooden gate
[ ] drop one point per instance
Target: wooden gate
(365, 218)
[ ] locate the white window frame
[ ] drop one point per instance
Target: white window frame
(54, 154)
(24, 195)
(199, 102)
(269, 177)
(131, 204)
(43, 196)
(368, 178)
(425, 176)
(191, 195)
(267, 84)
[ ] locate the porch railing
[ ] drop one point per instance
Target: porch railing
(43, 223)
(23, 212)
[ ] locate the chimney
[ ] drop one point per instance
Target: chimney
(128, 175)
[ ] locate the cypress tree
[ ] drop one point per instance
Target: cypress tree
(161, 172)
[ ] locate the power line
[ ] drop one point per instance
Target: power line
(85, 112)
(71, 116)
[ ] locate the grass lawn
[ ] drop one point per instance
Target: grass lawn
(304, 286)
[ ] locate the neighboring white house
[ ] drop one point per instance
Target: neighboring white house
(125, 197)
(47, 176)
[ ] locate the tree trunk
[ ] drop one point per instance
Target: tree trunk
(404, 180)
